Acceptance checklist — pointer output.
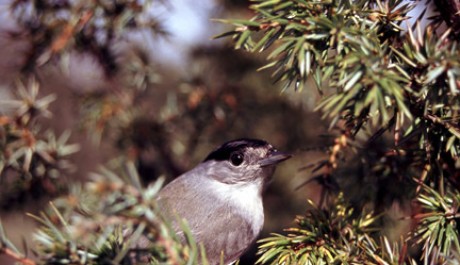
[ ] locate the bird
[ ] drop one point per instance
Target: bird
(221, 198)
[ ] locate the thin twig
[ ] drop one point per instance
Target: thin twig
(17, 257)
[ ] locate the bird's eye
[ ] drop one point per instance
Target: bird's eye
(236, 159)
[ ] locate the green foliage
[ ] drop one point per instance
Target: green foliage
(437, 228)
(110, 220)
(336, 235)
(29, 158)
(393, 94)
(333, 236)
(93, 27)
(354, 48)
(341, 44)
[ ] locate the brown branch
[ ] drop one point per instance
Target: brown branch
(69, 30)
(16, 256)
(449, 126)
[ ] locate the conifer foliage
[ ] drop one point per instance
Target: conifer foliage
(388, 86)
(391, 91)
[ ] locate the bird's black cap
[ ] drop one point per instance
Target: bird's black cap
(224, 151)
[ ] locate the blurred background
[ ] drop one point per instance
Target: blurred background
(163, 95)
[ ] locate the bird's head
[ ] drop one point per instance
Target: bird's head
(243, 160)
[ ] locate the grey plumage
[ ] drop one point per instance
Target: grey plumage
(221, 198)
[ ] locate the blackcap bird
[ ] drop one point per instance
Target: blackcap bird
(221, 198)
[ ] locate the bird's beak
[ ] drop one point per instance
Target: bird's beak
(274, 158)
